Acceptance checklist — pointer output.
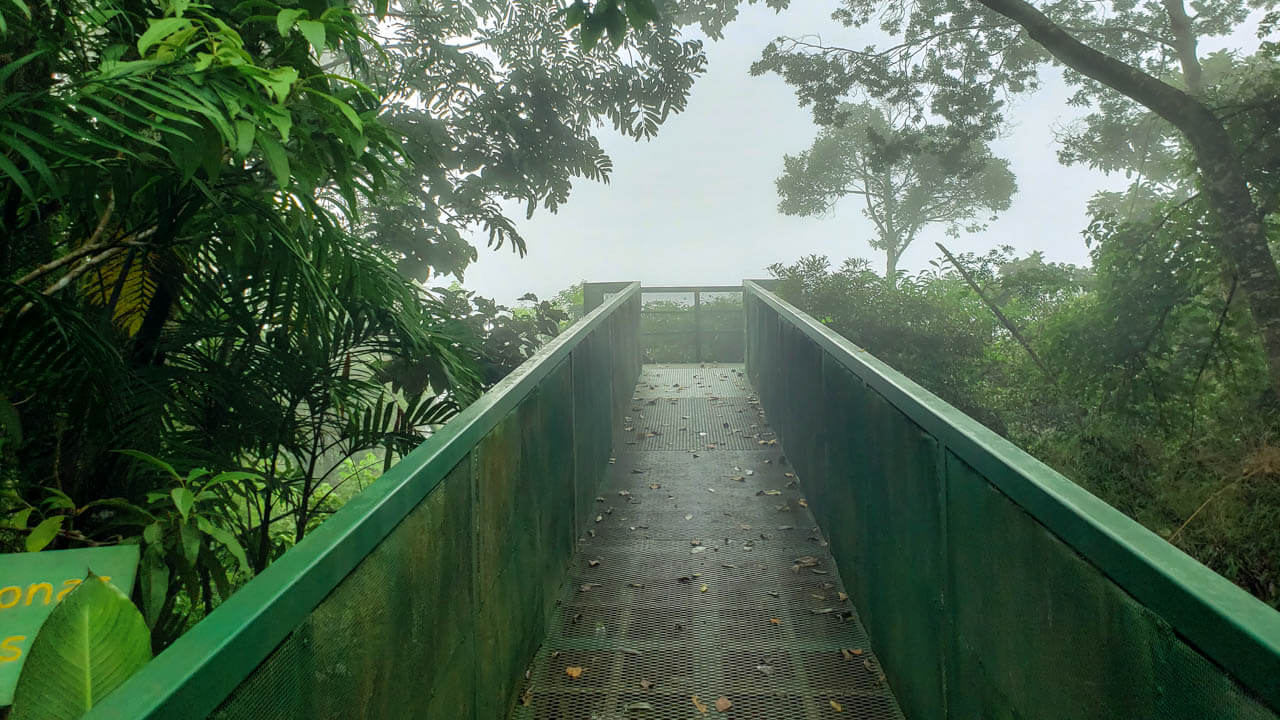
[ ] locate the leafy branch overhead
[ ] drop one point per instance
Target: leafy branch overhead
(609, 16)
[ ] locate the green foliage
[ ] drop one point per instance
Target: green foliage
(216, 217)
(1155, 398)
(505, 336)
(91, 643)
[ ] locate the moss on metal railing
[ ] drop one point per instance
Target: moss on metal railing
(992, 586)
(428, 593)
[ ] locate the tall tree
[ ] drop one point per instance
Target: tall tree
(908, 176)
(959, 58)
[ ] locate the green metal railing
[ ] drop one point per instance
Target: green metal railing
(428, 593)
(991, 586)
(685, 323)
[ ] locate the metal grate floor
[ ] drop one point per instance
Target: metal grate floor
(704, 582)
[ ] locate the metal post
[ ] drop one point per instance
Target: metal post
(697, 326)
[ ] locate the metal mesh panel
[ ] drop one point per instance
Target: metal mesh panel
(704, 574)
(387, 641)
(977, 608)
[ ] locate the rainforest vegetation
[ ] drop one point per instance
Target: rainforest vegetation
(232, 230)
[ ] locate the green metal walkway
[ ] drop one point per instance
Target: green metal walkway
(574, 546)
(703, 576)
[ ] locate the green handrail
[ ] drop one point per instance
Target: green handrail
(203, 667)
(868, 434)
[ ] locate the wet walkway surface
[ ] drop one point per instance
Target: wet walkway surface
(703, 588)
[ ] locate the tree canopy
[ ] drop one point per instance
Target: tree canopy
(908, 176)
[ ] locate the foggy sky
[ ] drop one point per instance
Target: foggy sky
(698, 204)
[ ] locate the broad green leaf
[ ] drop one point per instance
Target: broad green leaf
(347, 111)
(574, 15)
(314, 32)
(592, 28)
(273, 152)
(8, 168)
(153, 460)
(380, 8)
(153, 576)
(183, 499)
(90, 644)
(191, 543)
(153, 533)
(44, 533)
(18, 520)
(646, 9)
(279, 81)
(226, 539)
(616, 23)
(159, 30)
(286, 18)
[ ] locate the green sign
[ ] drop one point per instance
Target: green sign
(32, 583)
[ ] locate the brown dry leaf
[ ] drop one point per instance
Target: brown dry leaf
(857, 651)
(775, 621)
(804, 562)
(836, 706)
(789, 475)
(701, 708)
(593, 563)
(804, 503)
(654, 486)
(573, 671)
(526, 698)
(646, 684)
(638, 585)
(843, 596)
(723, 704)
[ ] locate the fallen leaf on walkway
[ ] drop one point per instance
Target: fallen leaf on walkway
(788, 474)
(695, 543)
(586, 587)
(637, 585)
(836, 706)
(646, 684)
(703, 589)
(654, 486)
(599, 518)
(526, 698)
(573, 671)
(623, 493)
(775, 621)
(804, 503)
(701, 708)
(766, 670)
(629, 651)
(723, 704)
(636, 706)
(804, 562)
(769, 492)
(816, 571)
(849, 653)
(843, 596)
(593, 563)
(637, 471)
(688, 517)
(684, 579)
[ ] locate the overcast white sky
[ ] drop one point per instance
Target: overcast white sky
(698, 204)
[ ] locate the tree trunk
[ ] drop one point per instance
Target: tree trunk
(1242, 236)
(891, 265)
